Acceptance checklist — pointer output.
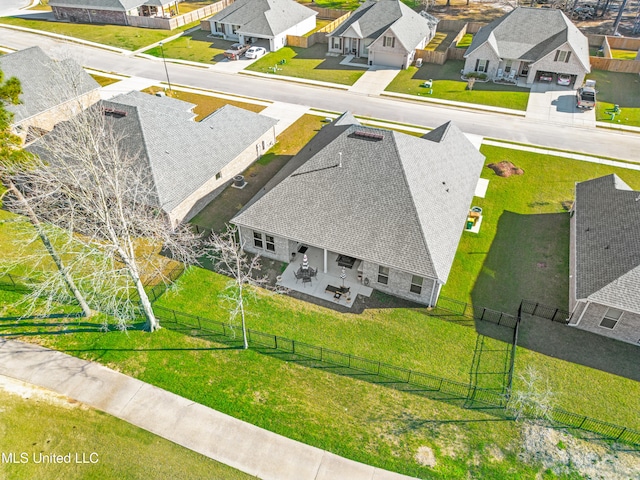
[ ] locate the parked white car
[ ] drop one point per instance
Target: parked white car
(255, 52)
(564, 79)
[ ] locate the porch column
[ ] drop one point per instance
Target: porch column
(240, 238)
(325, 260)
(433, 289)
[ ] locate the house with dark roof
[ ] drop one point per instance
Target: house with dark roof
(527, 42)
(248, 21)
(605, 259)
(111, 11)
(387, 205)
(52, 91)
(387, 32)
(187, 160)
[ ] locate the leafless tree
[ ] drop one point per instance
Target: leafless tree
(229, 258)
(91, 192)
(535, 397)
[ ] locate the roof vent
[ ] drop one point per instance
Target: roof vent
(368, 135)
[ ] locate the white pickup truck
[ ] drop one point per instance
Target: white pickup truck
(586, 95)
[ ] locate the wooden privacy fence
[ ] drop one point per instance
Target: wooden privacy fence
(317, 37)
(615, 65)
(180, 20)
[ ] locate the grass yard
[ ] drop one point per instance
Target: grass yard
(205, 105)
(104, 81)
(447, 85)
(195, 47)
(440, 41)
(218, 213)
(366, 422)
(620, 89)
(39, 422)
(624, 54)
(41, 5)
(320, 23)
(187, 6)
(465, 41)
(311, 63)
(129, 38)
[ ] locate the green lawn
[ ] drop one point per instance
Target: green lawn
(438, 40)
(104, 81)
(621, 89)
(320, 23)
(624, 54)
(311, 63)
(465, 41)
(447, 85)
(187, 6)
(195, 47)
(42, 424)
(217, 214)
(366, 422)
(130, 38)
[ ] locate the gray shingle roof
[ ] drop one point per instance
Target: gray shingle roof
(45, 82)
(181, 154)
(397, 200)
(263, 17)
(114, 5)
(373, 18)
(530, 34)
(607, 216)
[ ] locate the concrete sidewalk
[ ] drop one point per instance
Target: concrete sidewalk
(218, 436)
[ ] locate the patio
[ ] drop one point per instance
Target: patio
(319, 283)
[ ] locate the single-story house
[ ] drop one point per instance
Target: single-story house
(392, 203)
(114, 12)
(247, 21)
(387, 32)
(527, 42)
(52, 91)
(605, 259)
(187, 160)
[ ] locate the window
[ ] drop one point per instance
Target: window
(234, 29)
(507, 66)
(389, 41)
(271, 244)
(383, 275)
(218, 175)
(416, 284)
(337, 43)
(611, 318)
(257, 239)
(482, 65)
(562, 56)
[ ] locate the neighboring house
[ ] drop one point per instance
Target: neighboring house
(111, 11)
(247, 21)
(52, 91)
(527, 42)
(395, 203)
(387, 32)
(188, 160)
(605, 259)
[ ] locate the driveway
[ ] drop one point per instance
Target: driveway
(374, 80)
(232, 66)
(551, 103)
(12, 7)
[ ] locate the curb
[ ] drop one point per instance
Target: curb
(450, 103)
(305, 81)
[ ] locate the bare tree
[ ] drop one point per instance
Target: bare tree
(96, 196)
(534, 399)
(229, 258)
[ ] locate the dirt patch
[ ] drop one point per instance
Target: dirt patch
(505, 169)
(38, 394)
(425, 456)
(563, 453)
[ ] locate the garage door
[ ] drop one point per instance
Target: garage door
(388, 59)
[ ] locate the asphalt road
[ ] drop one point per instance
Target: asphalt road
(588, 140)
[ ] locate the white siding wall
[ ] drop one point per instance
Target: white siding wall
(183, 211)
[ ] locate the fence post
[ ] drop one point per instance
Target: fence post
(199, 324)
(175, 318)
(293, 346)
(535, 308)
(11, 278)
(321, 353)
(624, 429)
(584, 419)
(553, 318)
(275, 341)
(378, 372)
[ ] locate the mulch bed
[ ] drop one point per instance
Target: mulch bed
(505, 169)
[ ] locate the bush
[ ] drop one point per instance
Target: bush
(479, 76)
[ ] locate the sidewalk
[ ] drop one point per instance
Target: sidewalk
(218, 436)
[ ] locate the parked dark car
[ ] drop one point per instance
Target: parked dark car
(235, 51)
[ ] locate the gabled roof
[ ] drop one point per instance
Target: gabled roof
(45, 82)
(607, 216)
(264, 17)
(379, 195)
(181, 154)
(114, 5)
(373, 18)
(530, 34)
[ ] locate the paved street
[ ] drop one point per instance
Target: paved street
(583, 139)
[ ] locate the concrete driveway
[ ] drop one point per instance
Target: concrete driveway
(12, 7)
(551, 103)
(374, 80)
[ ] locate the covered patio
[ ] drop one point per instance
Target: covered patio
(320, 285)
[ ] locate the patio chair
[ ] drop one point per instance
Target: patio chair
(512, 75)
(499, 74)
(313, 272)
(306, 279)
(298, 276)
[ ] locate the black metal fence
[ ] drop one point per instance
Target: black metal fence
(450, 307)
(545, 311)
(393, 374)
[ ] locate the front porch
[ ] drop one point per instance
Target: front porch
(323, 279)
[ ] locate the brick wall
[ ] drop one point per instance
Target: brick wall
(398, 284)
(85, 15)
(627, 329)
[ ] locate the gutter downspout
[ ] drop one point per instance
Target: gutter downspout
(433, 289)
